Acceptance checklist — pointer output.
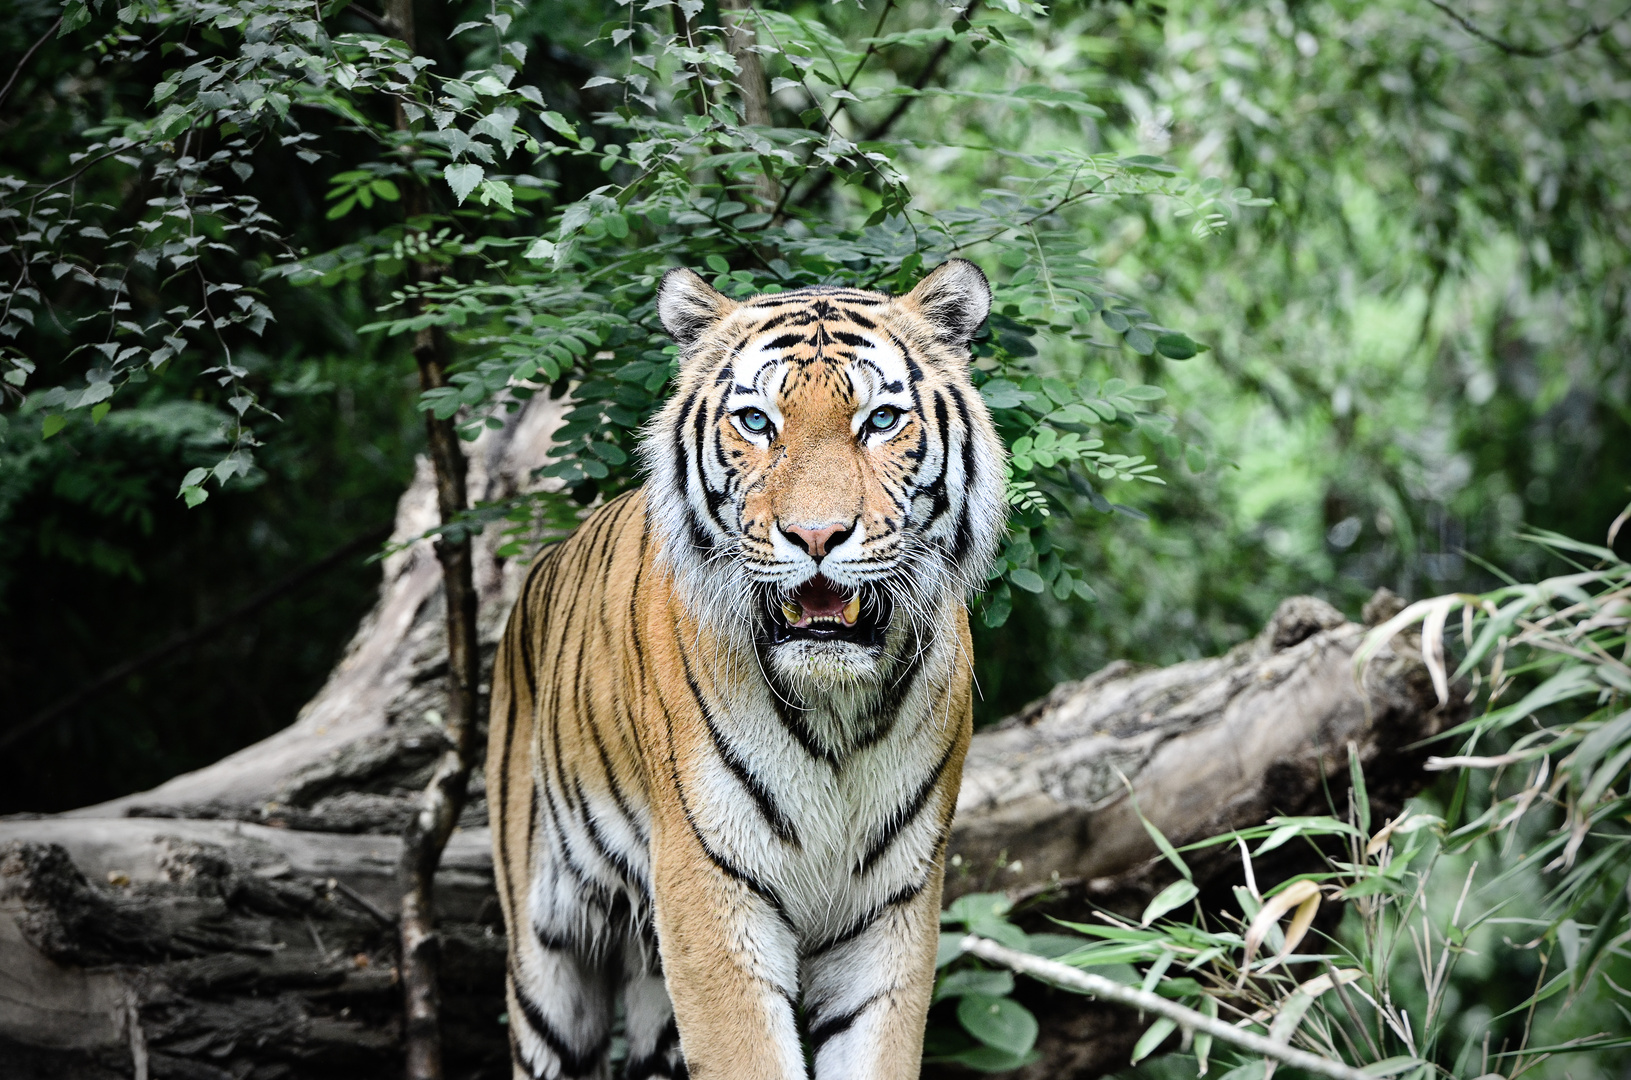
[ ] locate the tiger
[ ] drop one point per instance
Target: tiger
(729, 712)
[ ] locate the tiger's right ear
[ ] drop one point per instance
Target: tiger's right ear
(689, 306)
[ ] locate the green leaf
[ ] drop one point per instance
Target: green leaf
(990, 1059)
(1027, 579)
(53, 423)
(463, 179)
(1203, 1040)
(977, 907)
(998, 607)
(1176, 895)
(1290, 1016)
(998, 1021)
(717, 264)
(1356, 776)
(540, 249)
(560, 124)
(341, 208)
(1138, 339)
(386, 190)
(1175, 346)
(497, 191)
(1153, 1037)
(73, 18)
(1002, 394)
(1161, 841)
(974, 981)
(99, 411)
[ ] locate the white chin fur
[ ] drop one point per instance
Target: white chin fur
(820, 667)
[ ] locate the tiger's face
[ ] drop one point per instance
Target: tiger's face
(826, 480)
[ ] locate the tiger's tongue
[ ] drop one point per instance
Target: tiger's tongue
(818, 598)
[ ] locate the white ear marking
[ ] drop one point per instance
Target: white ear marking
(688, 306)
(954, 298)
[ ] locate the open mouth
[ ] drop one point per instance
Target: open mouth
(819, 610)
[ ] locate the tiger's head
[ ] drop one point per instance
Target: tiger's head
(825, 480)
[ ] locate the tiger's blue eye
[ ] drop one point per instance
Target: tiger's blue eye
(754, 420)
(883, 418)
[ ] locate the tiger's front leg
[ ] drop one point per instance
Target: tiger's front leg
(730, 961)
(867, 998)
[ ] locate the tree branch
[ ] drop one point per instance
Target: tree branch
(882, 127)
(1108, 990)
(27, 56)
(443, 799)
(1592, 31)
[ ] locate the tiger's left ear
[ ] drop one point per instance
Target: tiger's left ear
(955, 298)
(688, 306)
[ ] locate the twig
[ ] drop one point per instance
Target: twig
(881, 128)
(1108, 990)
(361, 901)
(27, 56)
(1592, 30)
(378, 22)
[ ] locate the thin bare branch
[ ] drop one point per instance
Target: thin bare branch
(1108, 990)
(1590, 33)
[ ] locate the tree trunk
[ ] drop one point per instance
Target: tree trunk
(240, 921)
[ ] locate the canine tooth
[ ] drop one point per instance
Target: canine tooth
(791, 611)
(852, 610)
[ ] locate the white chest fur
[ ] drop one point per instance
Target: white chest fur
(832, 824)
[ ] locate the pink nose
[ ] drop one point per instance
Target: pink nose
(818, 540)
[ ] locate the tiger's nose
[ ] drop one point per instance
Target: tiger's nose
(817, 540)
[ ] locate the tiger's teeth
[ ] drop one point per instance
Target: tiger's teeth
(852, 610)
(791, 612)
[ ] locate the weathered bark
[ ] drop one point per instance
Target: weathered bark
(240, 921)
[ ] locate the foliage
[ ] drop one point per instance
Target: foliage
(539, 289)
(1425, 895)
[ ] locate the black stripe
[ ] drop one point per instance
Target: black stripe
(572, 1064)
(518, 643)
(905, 815)
(552, 941)
(794, 725)
(837, 1025)
(656, 1063)
(761, 796)
(615, 859)
(532, 821)
(864, 923)
(965, 528)
(725, 866)
(612, 785)
(883, 718)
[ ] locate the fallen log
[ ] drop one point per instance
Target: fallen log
(239, 921)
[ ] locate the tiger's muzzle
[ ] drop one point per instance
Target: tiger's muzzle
(820, 610)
